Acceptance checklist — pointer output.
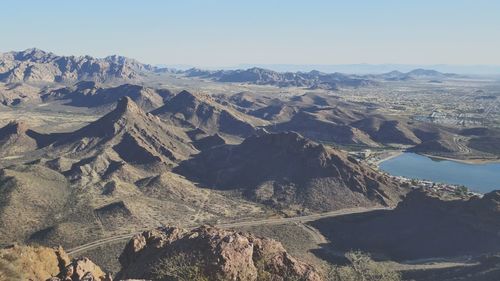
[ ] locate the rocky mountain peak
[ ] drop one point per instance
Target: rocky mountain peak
(14, 128)
(185, 96)
(127, 105)
(291, 142)
(32, 54)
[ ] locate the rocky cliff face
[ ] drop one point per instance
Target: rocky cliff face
(208, 253)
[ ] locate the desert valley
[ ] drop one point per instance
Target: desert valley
(114, 168)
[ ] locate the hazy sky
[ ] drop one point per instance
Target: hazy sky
(230, 32)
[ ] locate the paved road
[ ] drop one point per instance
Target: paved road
(299, 219)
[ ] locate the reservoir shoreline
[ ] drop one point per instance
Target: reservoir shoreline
(481, 177)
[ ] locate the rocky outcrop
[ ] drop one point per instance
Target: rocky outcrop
(81, 269)
(51, 264)
(16, 139)
(209, 253)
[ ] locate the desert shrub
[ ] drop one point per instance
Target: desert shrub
(362, 268)
(263, 274)
(179, 267)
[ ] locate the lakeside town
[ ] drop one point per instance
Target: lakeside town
(443, 190)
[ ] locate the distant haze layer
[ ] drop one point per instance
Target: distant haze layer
(356, 68)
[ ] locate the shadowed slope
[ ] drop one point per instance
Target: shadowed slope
(284, 168)
(203, 112)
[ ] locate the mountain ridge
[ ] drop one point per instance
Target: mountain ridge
(285, 169)
(35, 65)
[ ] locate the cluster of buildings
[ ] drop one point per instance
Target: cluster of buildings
(436, 188)
(373, 159)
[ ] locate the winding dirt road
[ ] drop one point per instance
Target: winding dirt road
(299, 219)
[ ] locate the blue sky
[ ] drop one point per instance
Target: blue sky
(231, 32)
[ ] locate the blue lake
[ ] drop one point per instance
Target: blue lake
(477, 177)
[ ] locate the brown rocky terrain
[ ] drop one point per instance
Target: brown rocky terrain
(91, 94)
(208, 253)
(387, 131)
(316, 127)
(285, 169)
(113, 174)
(46, 191)
(16, 138)
(130, 133)
(201, 111)
(169, 253)
(16, 94)
(46, 264)
(207, 158)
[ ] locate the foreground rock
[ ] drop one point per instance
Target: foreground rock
(208, 253)
(41, 263)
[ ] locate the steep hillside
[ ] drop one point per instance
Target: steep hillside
(16, 94)
(288, 171)
(201, 111)
(422, 226)
(387, 131)
(16, 139)
(275, 113)
(318, 128)
(90, 94)
(135, 136)
(31, 197)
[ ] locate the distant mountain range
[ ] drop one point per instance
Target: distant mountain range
(360, 69)
(34, 65)
(312, 79)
